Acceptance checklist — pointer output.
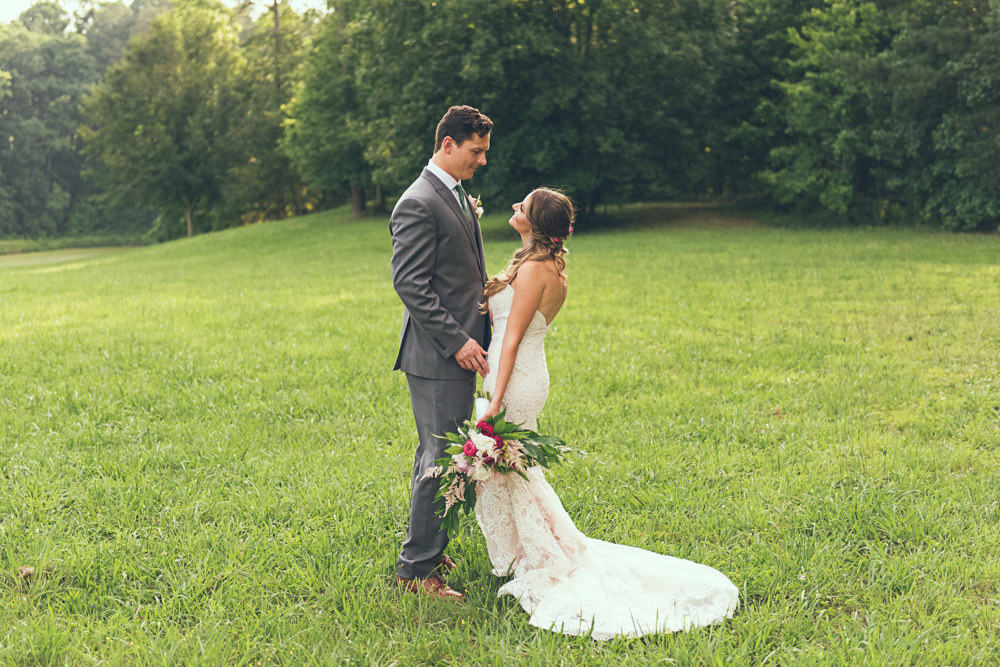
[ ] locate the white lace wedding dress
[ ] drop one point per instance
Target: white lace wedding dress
(568, 582)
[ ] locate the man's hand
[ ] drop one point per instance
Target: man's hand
(472, 357)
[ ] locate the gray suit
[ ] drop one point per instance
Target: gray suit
(438, 271)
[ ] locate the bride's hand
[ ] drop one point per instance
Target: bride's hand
(493, 409)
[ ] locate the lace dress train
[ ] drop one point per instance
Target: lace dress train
(568, 582)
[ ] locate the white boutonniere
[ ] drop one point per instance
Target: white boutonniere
(477, 204)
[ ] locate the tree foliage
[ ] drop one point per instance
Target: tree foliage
(266, 186)
(160, 124)
(876, 111)
(39, 157)
(603, 98)
(890, 114)
(324, 135)
(42, 192)
(870, 111)
(46, 17)
(824, 109)
(108, 26)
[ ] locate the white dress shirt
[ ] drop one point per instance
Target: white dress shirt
(448, 181)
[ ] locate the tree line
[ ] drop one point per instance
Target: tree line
(189, 116)
(48, 61)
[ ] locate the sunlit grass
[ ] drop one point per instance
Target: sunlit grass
(205, 456)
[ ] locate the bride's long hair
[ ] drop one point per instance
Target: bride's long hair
(550, 214)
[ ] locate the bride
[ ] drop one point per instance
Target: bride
(567, 582)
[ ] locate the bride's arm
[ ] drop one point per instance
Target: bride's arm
(527, 297)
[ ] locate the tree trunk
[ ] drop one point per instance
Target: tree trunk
(378, 204)
(357, 201)
(190, 221)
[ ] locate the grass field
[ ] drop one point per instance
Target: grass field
(204, 457)
(18, 246)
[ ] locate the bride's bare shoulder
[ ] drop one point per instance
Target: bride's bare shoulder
(542, 270)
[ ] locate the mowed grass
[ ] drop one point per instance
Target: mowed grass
(205, 457)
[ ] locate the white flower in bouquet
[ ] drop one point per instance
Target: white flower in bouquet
(480, 472)
(484, 443)
(482, 404)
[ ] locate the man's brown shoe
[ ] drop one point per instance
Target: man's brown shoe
(433, 586)
(444, 565)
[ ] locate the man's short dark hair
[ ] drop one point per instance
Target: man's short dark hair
(460, 123)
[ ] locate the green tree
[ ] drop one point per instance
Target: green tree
(5, 212)
(160, 126)
(325, 130)
(39, 159)
(934, 100)
(824, 110)
(967, 143)
(745, 122)
(888, 113)
(109, 26)
(46, 17)
(266, 186)
(605, 98)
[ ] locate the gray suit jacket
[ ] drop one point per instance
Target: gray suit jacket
(438, 271)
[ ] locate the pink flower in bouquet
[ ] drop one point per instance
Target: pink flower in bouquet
(460, 463)
(497, 439)
(455, 493)
(470, 448)
(489, 460)
(485, 428)
(515, 459)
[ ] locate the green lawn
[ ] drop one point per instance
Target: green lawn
(57, 256)
(205, 456)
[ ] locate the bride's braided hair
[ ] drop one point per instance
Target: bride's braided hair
(550, 214)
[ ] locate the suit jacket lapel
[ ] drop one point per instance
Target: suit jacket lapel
(447, 195)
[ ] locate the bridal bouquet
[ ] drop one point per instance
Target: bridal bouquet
(491, 446)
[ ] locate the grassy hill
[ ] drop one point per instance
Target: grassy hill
(205, 458)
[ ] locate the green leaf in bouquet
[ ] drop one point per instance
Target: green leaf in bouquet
(455, 449)
(450, 524)
(470, 497)
(548, 440)
(457, 438)
(501, 428)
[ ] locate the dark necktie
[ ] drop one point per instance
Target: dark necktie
(463, 199)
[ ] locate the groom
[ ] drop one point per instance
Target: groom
(439, 271)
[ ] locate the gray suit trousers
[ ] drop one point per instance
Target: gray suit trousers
(439, 407)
